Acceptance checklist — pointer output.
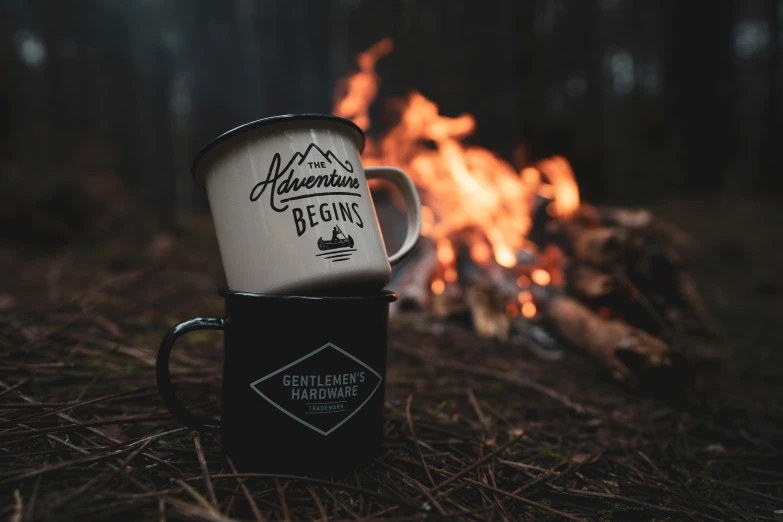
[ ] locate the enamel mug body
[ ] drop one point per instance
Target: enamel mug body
(292, 208)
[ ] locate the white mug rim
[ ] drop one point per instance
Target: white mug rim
(263, 122)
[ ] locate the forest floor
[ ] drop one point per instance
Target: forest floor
(474, 429)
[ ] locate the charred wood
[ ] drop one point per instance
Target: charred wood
(600, 247)
(590, 282)
(643, 219)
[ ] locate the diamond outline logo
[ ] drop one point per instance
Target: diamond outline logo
(318, 350)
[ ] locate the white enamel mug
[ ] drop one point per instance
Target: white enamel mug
(292, 208)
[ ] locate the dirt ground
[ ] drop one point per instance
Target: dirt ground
(475, 430)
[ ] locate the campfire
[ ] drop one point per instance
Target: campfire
(517, 256)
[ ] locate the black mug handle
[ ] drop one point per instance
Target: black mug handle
(196, 422)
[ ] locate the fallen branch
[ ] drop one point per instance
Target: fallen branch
(321, 482)
(524, 500)
(88, 424)
(608, 341)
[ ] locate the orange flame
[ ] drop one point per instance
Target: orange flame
(354, 94)
(565, 189)
(461, 187)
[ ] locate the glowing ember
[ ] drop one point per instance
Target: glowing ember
(523, 281)
(540, 277)
(438, 286)
(505, 257)
(445, 252)
(529, 310)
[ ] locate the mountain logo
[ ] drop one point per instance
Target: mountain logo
(283, 180)
(328, 156)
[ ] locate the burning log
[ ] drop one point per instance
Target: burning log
(599, 246)
(627, 352)
(497, 235)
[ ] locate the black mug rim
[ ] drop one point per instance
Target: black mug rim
(269, 121)
(382, 295)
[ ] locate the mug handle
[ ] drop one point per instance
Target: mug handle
(412, 206)
(196, 422)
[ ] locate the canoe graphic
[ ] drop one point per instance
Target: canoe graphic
(336, 241)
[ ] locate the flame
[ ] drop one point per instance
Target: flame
(354, 94)
(565, 191)
(427, 220)
(481, 253)
(462, 187)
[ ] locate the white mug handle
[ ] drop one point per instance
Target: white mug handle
(412, 205)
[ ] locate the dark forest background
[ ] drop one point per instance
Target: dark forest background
(650, 100)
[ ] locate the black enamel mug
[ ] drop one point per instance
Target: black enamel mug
(303, 380)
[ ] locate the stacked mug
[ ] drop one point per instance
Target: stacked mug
(306, 314)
